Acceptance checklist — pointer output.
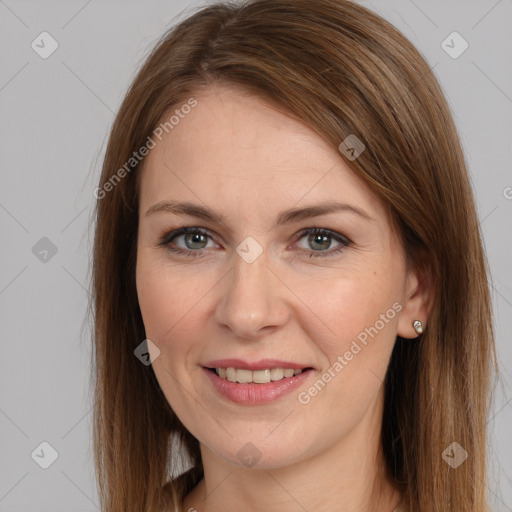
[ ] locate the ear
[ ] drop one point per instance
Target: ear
(418, 301)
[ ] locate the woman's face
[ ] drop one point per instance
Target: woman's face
(256, 292)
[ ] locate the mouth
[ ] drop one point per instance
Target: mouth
(256, 383)
(264, 376)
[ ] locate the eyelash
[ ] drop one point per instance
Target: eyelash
(166, 240)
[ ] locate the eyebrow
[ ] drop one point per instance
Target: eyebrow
(285, 217)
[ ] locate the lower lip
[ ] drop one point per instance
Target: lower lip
(256, 394)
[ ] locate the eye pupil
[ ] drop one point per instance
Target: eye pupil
(196, 239)
(319, 238)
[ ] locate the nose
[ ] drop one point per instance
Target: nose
(252, 301)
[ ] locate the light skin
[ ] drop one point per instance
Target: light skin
(248, 162)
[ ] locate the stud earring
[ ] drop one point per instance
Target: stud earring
(418, 326)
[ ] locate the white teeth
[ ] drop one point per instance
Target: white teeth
(258, 376)
(244, 376)
(261, 376)
(276, 373)
(230, 374)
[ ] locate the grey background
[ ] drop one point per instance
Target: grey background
(55, 117)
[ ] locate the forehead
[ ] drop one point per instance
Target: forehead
(235, 151)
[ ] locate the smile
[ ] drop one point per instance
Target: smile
(257, 386)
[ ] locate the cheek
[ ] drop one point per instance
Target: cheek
(352, 305)
(170, 310)
(361, 314)
(167, 298)
(156, 304)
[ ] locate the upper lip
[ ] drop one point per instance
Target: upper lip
(262, 364)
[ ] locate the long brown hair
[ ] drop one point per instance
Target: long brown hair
(342, 70)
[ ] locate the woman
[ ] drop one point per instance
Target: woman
(287, 233)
